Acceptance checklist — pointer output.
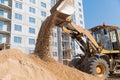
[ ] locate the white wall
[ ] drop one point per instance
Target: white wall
(24, 46)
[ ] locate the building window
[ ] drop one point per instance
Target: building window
(31, 51)
(17, 27)
(1, 38)
(32, 30)
(73, 17)
(18, 5)
(54, 44)
(79, 3)
(32, 10)
(43, 13)
(18, 16)
(55, 54)
(1, 13)
(76, 46)
(43, 4)
(31, 20)
(54, 34)
(1, 25)
(17, 39)
(81, 22)
(80, 9)
(80, 15)
(32, 41)
(42, 21)
(32, 1)
(1, 1)
(53, 2)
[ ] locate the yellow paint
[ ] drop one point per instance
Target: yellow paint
(109, 51)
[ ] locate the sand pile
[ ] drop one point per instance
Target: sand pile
(15, 65)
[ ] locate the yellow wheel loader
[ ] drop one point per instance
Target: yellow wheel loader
(101, 51)
(105, 62)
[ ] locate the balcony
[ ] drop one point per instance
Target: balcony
(5, 19)
(65, 38)
(4, 41)
(5, 15)
(4, 32)
(5, 28)
(4, 6)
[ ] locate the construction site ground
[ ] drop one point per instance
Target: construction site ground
(114, 77)
(15, 65)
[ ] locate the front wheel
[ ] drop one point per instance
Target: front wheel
(98, 67)
(75, 63)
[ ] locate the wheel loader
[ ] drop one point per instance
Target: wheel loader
(107, 60)
(101, 45)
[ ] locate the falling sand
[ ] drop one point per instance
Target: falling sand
(43, 41)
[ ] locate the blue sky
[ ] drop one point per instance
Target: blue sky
(98, 11)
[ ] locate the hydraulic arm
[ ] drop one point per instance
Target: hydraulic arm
(78, 32)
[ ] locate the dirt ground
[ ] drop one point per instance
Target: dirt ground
(114, 77)
(15, 65)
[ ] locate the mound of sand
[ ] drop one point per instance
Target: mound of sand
(15, 65)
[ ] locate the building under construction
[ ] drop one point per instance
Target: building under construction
(20, 21)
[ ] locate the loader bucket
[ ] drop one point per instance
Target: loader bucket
(62, 10)
(63, 6)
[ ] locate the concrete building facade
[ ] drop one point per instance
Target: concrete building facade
(20, 22)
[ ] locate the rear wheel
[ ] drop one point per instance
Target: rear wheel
(97, 67)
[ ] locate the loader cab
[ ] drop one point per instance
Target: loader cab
(108, 37)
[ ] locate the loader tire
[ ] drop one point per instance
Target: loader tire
(75, 63)
(98, 67)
